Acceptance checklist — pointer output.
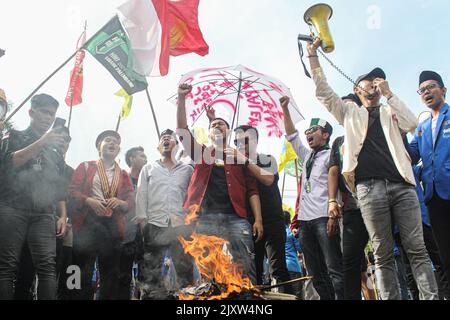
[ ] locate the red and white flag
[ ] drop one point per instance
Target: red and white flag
(75, 90)
(160, 28)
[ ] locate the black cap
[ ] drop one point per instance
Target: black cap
(107, 133)
(352, 97)
(430, 75)
(43, 100)
(375, 73)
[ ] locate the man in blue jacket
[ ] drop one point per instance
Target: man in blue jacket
(431, 143)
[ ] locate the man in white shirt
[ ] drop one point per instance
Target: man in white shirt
(316, 231)
(161, 191)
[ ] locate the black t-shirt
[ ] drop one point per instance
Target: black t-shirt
(336, 160)
(134, 182)
(270, 197)
(64, 183)
(375, 159)
(217, 199)
(36, 185)
(336, 157)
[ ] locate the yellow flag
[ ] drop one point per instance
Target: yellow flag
(287, 154)
(289, 209)
(126, 107)
(200, 135)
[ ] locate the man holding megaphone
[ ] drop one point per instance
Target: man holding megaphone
(377, 169)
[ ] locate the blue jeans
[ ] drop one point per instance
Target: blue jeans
(323, 258)
(382, 203)
(39, 231)
(238, 232)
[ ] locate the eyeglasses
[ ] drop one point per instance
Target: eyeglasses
(311, 130)
(429, 87)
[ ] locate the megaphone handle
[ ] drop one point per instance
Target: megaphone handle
(300, 51)
(305, 37)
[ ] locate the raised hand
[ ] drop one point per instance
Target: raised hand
(235, 155)
(312, 47)
(53, 138)
(184, 89)
(284, 102)
(210, 113)
(383, 87)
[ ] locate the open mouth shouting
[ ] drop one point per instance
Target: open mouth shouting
(429, 99)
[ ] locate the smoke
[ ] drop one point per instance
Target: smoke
(40, 183)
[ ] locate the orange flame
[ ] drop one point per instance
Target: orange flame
(192, 215)
(214, 264)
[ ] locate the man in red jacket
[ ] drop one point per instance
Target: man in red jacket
(222, 189)
(102, 194)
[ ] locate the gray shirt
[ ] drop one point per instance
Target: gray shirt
(161, 193)
(314, 204)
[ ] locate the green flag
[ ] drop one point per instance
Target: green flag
(111, 47)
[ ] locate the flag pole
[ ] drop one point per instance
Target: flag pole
(282, 188)
(236, 106)
(71, 98)
(40, 86)
(118, 122)
(296, 174)
(70, 112)
(153, 112)
(52, 74)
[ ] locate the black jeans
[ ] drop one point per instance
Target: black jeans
(39, 231)
(354, 240)
(127, 257)
(439, 211)
(23, 288)
(323, 258)
(63, 261)
(98, 238)
(441, 279)
(159, 241)
(273, 245)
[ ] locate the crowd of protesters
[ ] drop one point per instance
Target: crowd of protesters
(372, 218)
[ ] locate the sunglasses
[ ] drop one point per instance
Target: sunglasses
(429, 87)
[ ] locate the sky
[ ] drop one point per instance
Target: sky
(403, 37)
